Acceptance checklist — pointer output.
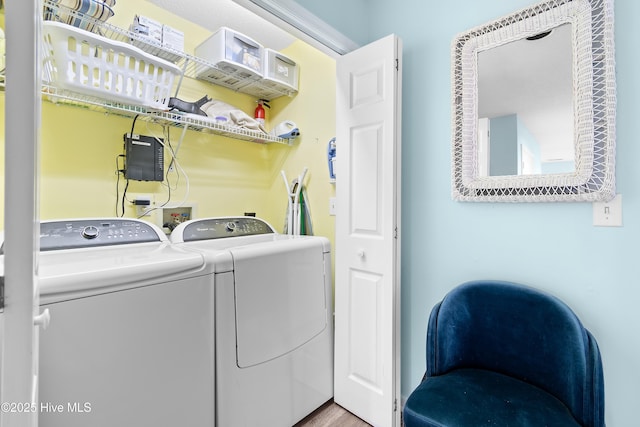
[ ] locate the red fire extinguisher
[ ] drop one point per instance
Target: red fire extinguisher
(260, 113)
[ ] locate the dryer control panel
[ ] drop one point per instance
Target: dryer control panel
(86, 233)
(220, 228)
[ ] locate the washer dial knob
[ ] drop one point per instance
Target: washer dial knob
(90, 232)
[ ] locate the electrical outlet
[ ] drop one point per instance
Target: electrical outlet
(143, 204)
(608, 214)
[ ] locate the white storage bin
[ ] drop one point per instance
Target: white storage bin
(237, 58)
(280, 77)
(90, 64)
(279, 70)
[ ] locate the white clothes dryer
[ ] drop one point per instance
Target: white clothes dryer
(130, 341)
(274, 319)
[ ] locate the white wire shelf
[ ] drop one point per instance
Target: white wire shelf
(191, 65)
(173, 118)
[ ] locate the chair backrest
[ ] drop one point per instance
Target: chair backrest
(523, 333)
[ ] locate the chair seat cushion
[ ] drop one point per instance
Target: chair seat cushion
(474, 397)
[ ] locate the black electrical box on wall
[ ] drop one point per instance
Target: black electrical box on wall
(144, 158)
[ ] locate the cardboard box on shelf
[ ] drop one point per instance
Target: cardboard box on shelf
(172, 38)
(149, 29)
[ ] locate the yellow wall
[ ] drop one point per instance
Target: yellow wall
(226, 176)
(313, 111)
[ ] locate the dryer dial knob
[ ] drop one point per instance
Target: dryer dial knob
(90, 232)
(231, 226)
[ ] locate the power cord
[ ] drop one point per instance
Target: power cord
(123, 171)
(174, 165)
(119, 170)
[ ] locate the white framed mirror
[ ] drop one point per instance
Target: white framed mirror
(534, 104)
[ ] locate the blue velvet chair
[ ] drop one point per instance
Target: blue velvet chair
(503, 354)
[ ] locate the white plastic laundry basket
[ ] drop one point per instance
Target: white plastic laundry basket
(90, 64)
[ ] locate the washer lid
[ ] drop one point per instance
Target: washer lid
(93, 256)
(280, 297)
(77, 273)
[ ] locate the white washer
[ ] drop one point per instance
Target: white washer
(130, 339)
(274, 324)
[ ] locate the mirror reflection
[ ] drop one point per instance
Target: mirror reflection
(525, 106)
(588, 97)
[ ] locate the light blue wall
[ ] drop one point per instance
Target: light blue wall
(552, 246)
(503, 155)
(352, 17)
(508, 134)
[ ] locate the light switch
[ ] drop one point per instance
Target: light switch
(332, 205)
(608, 214)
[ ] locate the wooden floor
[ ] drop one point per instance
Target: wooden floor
(331, 415)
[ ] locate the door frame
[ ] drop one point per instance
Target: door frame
(18, 375)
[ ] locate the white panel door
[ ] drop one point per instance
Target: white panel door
(19, 336)
(367, 294)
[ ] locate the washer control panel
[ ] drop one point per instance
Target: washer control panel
(220, 228)
(85, 233)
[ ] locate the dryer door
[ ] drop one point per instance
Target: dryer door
(280, 298)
